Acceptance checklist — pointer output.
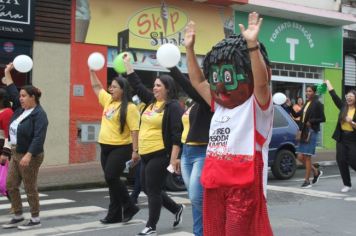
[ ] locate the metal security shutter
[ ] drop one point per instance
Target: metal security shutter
(53, 20)
(350, 70)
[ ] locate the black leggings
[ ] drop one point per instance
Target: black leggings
(153, 177)
(345, 157)
(113, 160)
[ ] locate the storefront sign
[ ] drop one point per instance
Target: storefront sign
(16, 19)
(151, 23)
(158, 27)
(295, 42)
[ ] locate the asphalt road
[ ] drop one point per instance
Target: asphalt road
(321, 210)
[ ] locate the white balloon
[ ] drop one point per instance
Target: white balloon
(279, 98)
(168, 55)
(23, 63)
(96, 61)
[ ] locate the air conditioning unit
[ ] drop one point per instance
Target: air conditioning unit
(89, 132)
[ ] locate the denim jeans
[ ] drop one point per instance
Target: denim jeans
(192, 162)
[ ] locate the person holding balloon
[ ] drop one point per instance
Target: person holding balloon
(311, 115)
(345, 134)
(235, 82)
(118, 139)
(159, 143)
(27, 132)
(195, 137)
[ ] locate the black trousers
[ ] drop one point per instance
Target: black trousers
(346, 157)
(113, 160)
(153, 177)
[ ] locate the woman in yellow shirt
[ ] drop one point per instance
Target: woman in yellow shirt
(345, 135)
(159, 143)
(118, 139)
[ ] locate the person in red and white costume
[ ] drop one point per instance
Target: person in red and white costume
(235, 81)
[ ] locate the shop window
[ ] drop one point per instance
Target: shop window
(9, 49)
(350, 70)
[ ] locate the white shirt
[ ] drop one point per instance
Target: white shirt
(14, 125)
(232, 132)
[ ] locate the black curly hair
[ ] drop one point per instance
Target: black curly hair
(232, 49)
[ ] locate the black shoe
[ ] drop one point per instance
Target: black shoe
(179, 218)
(110, 221)
(147, 231)
(316, 178)
(129, 213)
(306, 184)
(13, 223)
(30, 225)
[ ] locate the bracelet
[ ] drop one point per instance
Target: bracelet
(254, 48)
(135, 150)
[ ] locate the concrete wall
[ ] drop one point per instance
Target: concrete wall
(331, 111)
(321, 4)
(51, 73)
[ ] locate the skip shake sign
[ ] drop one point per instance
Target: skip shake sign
(159, 25)
(16, 19)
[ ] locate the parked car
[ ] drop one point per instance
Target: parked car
(281, 156)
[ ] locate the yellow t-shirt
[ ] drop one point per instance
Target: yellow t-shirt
(186, 127)
(150, 138)
(305, 110)
(110, 123)
(345, 126)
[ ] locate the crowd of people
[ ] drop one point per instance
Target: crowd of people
(219, 143)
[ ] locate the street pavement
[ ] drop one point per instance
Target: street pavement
(321, 210)
(91, 175)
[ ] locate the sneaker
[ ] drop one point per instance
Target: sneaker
(129, 213)
(30, 225)
(346, 189)
(316, 178)
(306, 184)
(179, 217)
(147, 231)
(13, 223)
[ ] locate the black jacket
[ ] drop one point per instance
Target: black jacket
(315, 114)
(31, 132)
(171, 124)
(200, 115)
(340, 105)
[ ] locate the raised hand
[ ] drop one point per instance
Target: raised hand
(254, 24)
(189, 36)
(9, 67)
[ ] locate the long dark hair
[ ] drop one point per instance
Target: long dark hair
(33, 91)
(345, 108)
(171, 88)
(4, 98)
(126, 98)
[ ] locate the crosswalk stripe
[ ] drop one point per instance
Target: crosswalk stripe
(75, 228)
(23, 196)
(42, 203)
(308, 192)
(177, 193)
(95, 190)
(60, 212)
(181, 200)
(178, 234)
(322, 177)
